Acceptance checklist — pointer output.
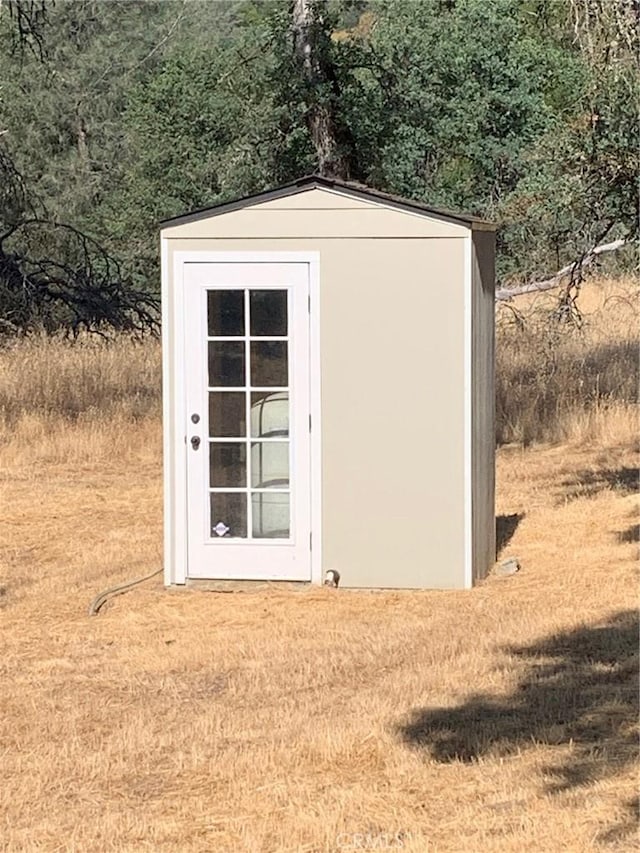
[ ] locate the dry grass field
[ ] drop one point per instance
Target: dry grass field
(279, 719)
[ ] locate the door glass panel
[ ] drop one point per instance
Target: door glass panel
(226, 363)
(270, 514)
(250, 455)
(270, 464)
(227, 465)
(269, 414)
(268, 312)
(227, 414)
(225, 312)
(269, 364)
(228, 515)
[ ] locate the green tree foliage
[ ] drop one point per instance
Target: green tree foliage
(196, 131)
(63, 111)
(191, 126)
(580, 185)
(65, 69)
(467, 88)
(121, 114)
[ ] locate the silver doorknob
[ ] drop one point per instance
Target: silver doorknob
(195, 442)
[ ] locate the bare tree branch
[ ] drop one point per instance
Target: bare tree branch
(78, 286)
(29, 18)
(505, 294)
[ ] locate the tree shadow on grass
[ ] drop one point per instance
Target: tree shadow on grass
(624, 828)
(631, 535)
(506, 526)
(580, 689)
(587, 484)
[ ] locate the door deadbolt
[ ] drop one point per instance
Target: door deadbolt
(195, 418)
(195, 442)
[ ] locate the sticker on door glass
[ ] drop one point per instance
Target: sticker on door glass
(228, 514)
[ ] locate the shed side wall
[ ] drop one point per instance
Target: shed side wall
(483, 404)
(392, 383)
(393, 427)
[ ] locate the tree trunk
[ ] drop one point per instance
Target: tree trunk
(312, 45)
(81, 138)
(574, 269)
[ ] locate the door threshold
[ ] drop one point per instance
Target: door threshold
(245, 586)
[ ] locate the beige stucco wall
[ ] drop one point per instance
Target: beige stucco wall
(392, 382)
(483, 404)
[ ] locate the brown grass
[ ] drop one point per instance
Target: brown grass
(557, 383)
(66, 379)
(500, 719)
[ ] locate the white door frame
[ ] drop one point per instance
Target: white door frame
(174, 399)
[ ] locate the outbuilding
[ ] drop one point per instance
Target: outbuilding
(328, 390)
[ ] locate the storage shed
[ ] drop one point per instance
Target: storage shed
(328, 390)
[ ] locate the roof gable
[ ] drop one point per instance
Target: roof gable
(365, 196)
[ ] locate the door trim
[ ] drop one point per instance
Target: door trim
(174, 399)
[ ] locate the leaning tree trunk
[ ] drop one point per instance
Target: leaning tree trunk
(312, 44)
(574, 272)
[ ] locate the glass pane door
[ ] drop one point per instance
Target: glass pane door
(249, 413)
(247, 429)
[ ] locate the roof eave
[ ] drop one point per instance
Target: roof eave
(320, 182)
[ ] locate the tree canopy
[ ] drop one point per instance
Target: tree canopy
(113, 116)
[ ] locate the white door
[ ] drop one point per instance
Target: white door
(247, 420)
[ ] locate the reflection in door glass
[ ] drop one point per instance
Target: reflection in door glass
(270, 464)
(227, 414)
(268, 312)
(225, 312)
(226, 363)
(270, 513)
(248, 447)
(269, 365)
(227, 465)
(270, 414)
(228, 515)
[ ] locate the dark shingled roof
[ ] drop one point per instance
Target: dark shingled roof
(347, 188)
